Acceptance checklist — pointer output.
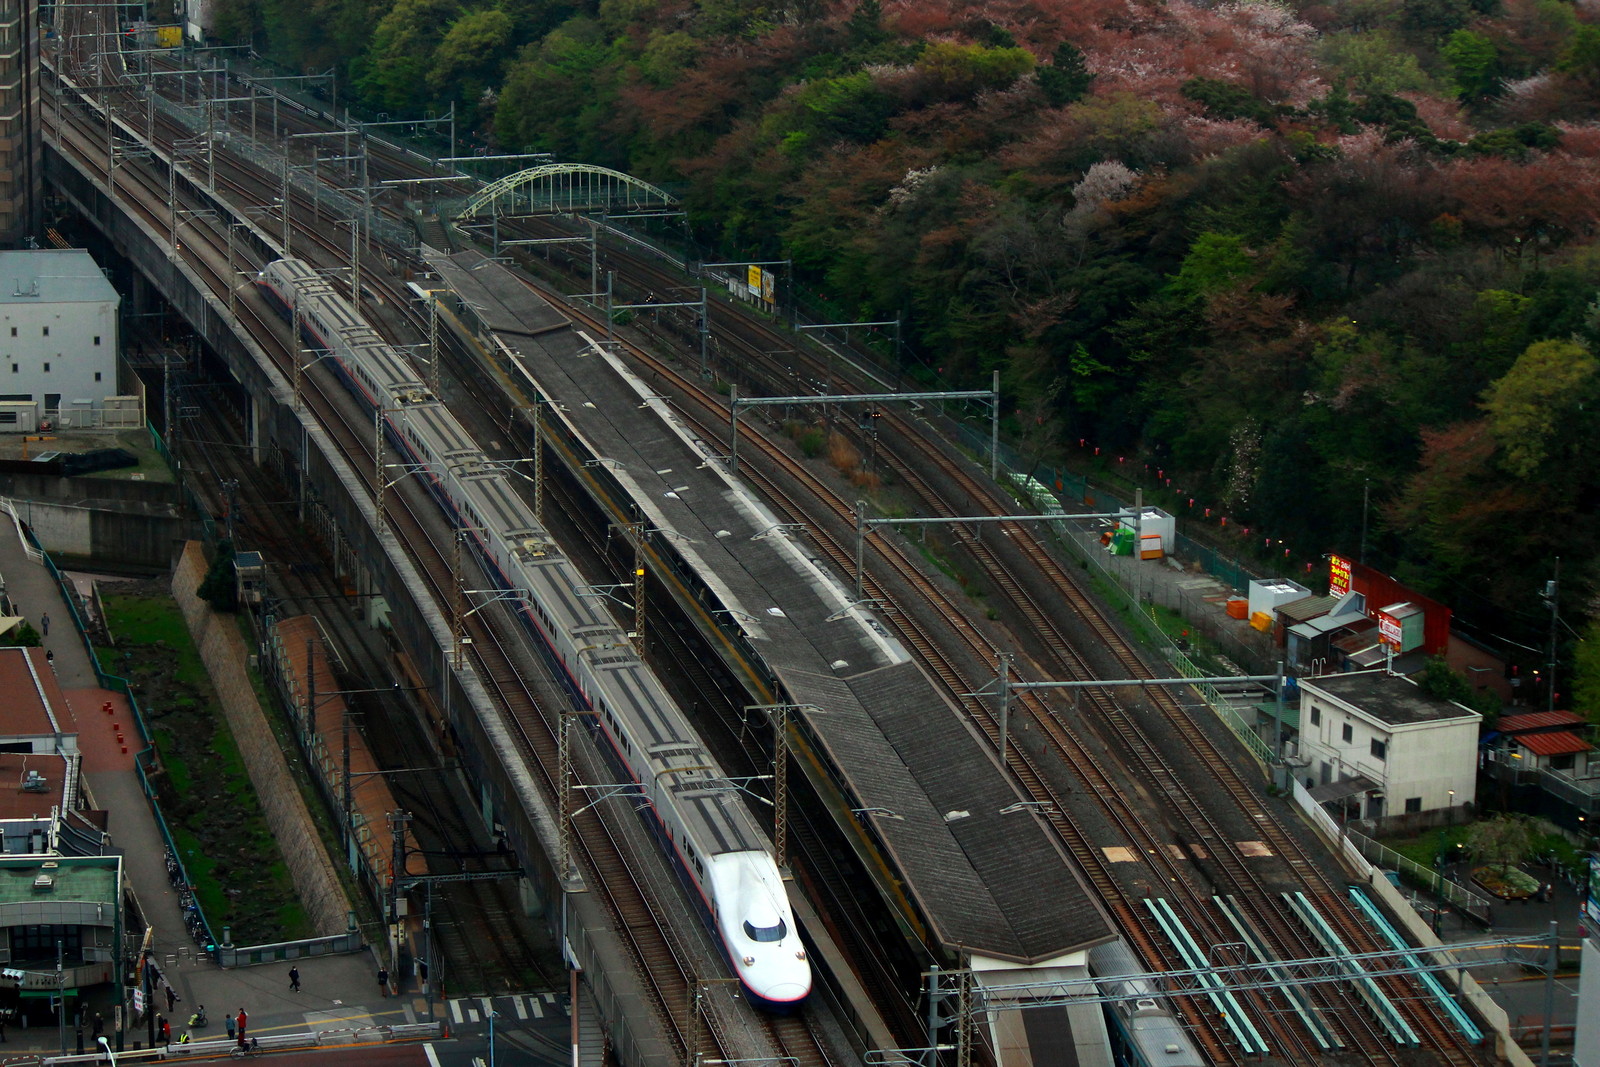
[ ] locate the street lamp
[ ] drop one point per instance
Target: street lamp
(103, 1043)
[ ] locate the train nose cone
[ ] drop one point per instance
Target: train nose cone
(786, 991)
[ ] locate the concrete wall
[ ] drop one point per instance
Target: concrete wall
(1586, 1049)
(137, 538)
(223, 649)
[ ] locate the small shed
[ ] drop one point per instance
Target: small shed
(1151, 522)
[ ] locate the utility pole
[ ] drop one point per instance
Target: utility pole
(397, 830)
(638, 531)
(311, 704)
(1552, 596)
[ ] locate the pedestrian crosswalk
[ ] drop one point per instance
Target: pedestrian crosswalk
(465, 1011)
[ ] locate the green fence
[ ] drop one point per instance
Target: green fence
(144, 759)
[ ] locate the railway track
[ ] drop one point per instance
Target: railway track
(657, 949)
(1156, 769)
(1281, 928)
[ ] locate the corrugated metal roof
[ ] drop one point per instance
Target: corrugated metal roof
(1558, 744)
(1307, 608)
(1537, 720)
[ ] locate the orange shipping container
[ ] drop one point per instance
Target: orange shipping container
(1238, 609)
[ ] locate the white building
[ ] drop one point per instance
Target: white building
(1401, 749)
(58, 339)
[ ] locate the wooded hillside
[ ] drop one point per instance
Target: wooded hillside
(1282, 253)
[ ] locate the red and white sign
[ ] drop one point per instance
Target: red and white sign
(1389, 631)
(1338, 576)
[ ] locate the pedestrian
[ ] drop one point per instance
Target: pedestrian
(172, 998)
(99, 1024)
(166, 1032)
(294, 979)
(383, 980)
(243, 1022)
(232, 1027)
(44, 623)
(50, 657)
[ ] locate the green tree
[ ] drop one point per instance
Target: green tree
(1226, 100)
(397, 63)
(1373, 62)
(865, 27)
(220, 588)
(1067, 78)
(1548, 386)
(1443, 682)
(952, 71)
(1581, 57)
(1216, 261)
(467, 58)
(1440, 681)
(1474, 64)
(1504, 840)
(557, 92)
(1585, 681)
(666, 56)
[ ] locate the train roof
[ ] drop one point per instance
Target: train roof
(993, 884)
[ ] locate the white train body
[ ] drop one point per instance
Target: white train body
(704, 824)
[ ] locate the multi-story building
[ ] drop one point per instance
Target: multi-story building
(1400, 749)
(21, 141)
(58, 339)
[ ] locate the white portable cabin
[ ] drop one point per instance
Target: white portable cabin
(19, 416)
(1266, 595)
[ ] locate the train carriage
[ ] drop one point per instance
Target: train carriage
(697, 812)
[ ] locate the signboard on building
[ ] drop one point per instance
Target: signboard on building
(753, 280)
(1338, 576)
(1400, 626)
(1591, 897)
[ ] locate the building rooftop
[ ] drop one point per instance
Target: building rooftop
(1385, 697)
(19, 802)
(1538, 720)
(52, 276)
(82, 878)
(1306, 608)
(1558, 744)
(34, 703)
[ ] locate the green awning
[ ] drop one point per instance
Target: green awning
(1269, 711)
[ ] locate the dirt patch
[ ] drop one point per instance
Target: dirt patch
(200, 781)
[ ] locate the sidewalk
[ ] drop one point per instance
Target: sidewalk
(109, 773)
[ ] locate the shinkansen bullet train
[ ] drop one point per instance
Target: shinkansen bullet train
(704, 825)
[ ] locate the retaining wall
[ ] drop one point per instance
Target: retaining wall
(223, 649)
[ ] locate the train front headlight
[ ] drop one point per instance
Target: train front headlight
(800, 955)
(749, 961)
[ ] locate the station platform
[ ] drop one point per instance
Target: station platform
(986, 881)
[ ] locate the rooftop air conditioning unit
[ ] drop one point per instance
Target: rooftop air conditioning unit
(34, 782)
